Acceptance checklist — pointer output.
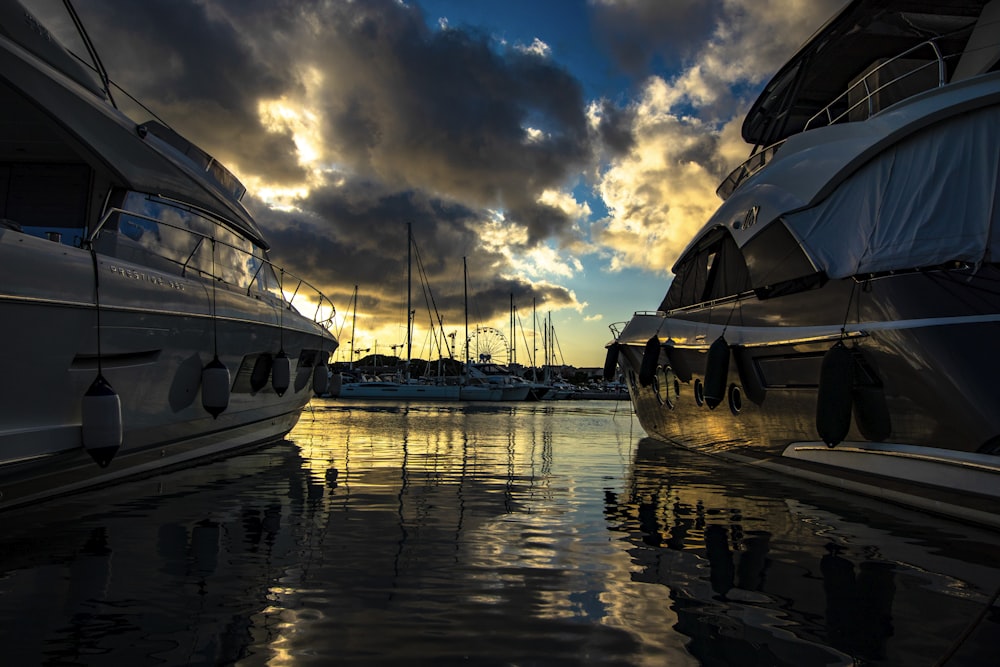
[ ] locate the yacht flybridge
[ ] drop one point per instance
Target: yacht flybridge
(144, 324)
(838, 317)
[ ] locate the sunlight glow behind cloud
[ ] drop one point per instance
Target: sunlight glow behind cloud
(349, 120)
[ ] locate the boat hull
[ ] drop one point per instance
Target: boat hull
(150, 339)
(925, 413)
(399, 391)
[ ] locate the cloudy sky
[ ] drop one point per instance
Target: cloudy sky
(567, 148)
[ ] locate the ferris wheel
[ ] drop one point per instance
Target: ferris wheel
(487, 344)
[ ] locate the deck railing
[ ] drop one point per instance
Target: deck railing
(747, 168)
(867, 94)
(841, 107)
(304, 295)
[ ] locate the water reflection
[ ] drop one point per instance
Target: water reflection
(762, 571)
(534, 534)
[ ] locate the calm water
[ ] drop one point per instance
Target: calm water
(529, 534)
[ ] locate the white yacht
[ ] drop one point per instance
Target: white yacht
(144, 323)
(838, 317)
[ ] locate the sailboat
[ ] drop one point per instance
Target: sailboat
(474, 385)
(485, 367)
(404, 388)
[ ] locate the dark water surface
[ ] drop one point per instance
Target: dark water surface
(488, 534)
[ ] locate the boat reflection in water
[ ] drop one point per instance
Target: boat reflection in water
(761, 572)
(492, 534)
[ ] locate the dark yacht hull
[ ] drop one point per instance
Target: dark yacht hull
(924, 420)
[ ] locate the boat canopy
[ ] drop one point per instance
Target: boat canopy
(864, 35)
(927, 201)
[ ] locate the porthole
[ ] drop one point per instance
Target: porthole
(735, 399)
(699, 393)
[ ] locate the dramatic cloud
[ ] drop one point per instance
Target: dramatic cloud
(348, 119)
(637, 31)
(685, 132)
(353, 119)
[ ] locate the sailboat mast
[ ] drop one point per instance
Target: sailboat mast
(354, 320)
(512, 357)
(534, 341)
(465, 284)
(409, 305)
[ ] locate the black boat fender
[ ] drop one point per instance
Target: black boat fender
(650, 360)
(261, 372)
(281, 373)
(752, 384)
(680, 366)
(716, 372)
(215, 382)
(321, 378)
(871, 411)
(611, 362)
(834, 398)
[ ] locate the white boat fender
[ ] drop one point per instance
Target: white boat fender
(215, 387)
(101, 421)
(716, 372)
(833, 400)
(321, 378)
(650, 360)
(281, 373)
(611, 361)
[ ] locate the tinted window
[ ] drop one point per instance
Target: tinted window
(712, 269)
(168, 236)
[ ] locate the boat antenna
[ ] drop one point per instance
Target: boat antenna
(91, 50)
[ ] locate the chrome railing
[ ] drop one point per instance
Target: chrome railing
(866, 102)
(747, 168)
(304, 295)
(868, 94)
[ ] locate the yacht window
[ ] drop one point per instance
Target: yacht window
(158, 233)
(266, 282)
(713, 269)
(46, 199)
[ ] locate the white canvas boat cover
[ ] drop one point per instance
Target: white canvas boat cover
(925, 201)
